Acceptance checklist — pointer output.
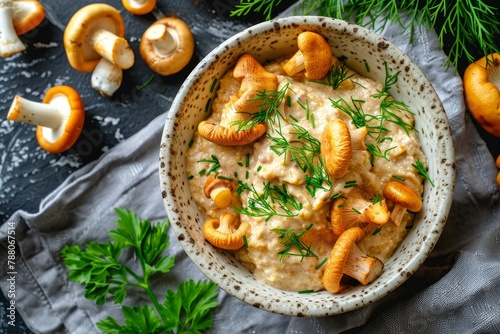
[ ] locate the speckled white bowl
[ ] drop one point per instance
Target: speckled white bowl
(366, 53)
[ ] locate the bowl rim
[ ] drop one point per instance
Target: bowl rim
(358, 300)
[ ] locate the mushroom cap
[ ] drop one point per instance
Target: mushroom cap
(482, 92)
(347, 258)
(403, 195)
(26, 15)
(220, 187)
(71, 128)
(176, 60)
(317, 54)
(254, 80)
(77, 35)
(336, 149)
(228, 136)
(223, 233)
(139, 7)
(357, 210)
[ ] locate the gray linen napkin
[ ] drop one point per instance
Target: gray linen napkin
(457, 290)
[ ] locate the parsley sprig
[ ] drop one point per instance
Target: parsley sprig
(290, 240)
(103, 274)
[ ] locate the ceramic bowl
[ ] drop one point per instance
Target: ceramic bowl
(366, 53)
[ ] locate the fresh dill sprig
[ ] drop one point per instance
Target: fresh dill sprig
(336, 76)
(462, 23)
(421, 170)
(376, 152)
(214, 167)
(264, 204)
(269, 112)
(291, 240)
(264, 6)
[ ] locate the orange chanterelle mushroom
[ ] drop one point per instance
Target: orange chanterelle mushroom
(17, 17)
(314, 56)
(59, 118)
(347, 258)
(357, 209)
(167, 45)
(254, 79)
(139, 7)
(226, 232)
(93, 40)
(404, 198)
(220, 189)
(336, 148)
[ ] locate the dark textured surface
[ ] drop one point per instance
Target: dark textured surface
(27, 173)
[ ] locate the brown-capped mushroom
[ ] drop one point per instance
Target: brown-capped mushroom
(95, 34)
(220, 189)
(139, 7)
(314, 56)
(357, 209)
(167, 45)
(336, 149)
(17, 18)
(404, 198)
(254, 79)
(346, 258)
(226, 232)
(59, 119)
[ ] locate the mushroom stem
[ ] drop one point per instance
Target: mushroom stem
(113, 48)
(36, 113)
(164, 39)
(494, 76)
(397, 214)
(9, 41)
(363, 268)
(295, 64)
(106, 77)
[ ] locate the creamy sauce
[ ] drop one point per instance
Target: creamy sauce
(257, 164)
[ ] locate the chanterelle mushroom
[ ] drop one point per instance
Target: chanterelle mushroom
(482, 92)
(167, 45)
(95, 34)
(220, 189)
(254, 79)
(404, 199)
(314, 56)
(347, 258)
(17, 17)
(139, 7)
(59, 118)
(357, 209)
(336, 148)
(226, 232)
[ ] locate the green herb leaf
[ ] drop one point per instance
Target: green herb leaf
(140, 319)
(291, 240)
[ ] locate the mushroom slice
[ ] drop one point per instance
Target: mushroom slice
(357, 210)
(59, 118)
(336, 149)
(225, 232)
(95, 32)
(17, 18)
(404, 199)
(220, 189)
(254, 80)
(314, 56)
(167, 45)
(482, 92)
(139, 7)
(347, 258)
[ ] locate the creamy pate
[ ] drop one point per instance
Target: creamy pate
(308, 104)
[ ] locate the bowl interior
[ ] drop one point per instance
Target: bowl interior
(364, 52)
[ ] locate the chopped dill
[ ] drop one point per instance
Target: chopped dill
(291, 240)
(377, 230)
(399, 178)
(421, 170)
(245, 241)
(336, 76)
(303, 292)
(321, 263)
(215, 164)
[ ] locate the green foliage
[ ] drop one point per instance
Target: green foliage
(99, 269)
